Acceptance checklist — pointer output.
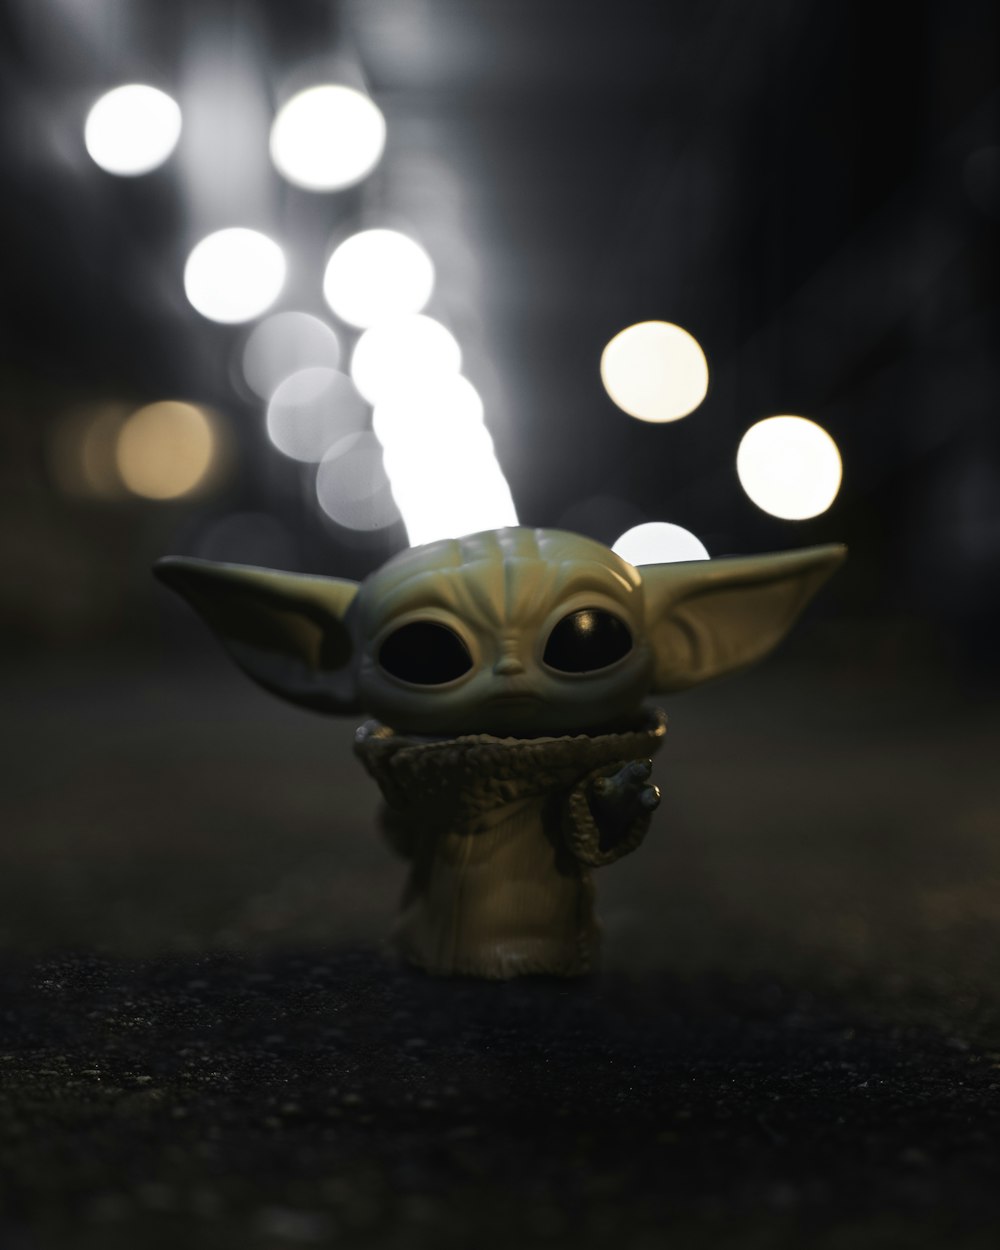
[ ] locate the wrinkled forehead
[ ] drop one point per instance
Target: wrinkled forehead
(497, 583)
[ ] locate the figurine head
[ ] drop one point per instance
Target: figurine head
(511, 632)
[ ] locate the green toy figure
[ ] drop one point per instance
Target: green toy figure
(506, 672)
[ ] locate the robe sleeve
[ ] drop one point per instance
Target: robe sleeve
(588, 838)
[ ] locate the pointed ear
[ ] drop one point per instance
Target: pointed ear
(284, 630)
(705, 618)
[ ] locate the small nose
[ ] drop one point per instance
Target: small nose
(508, 666)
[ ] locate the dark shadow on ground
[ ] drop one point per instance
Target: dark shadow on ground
(796, 1042)
(318, 1098)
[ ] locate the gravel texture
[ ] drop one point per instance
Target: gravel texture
(796, 1041)
(335, 1099)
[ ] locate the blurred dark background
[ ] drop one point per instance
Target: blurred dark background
(811, 189)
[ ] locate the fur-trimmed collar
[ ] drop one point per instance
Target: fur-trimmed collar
(458, 778)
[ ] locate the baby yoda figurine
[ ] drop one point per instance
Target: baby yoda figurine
(506, 672)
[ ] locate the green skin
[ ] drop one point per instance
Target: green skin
(616, 799)
(317, 642)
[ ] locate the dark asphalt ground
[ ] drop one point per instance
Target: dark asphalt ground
(796, 1041)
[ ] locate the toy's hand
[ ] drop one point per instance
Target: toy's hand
(617, 801)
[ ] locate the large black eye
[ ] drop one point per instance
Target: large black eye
(587, 640)
(426, 653)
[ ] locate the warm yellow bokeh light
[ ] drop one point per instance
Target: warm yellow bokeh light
(165, 450)
(655, 371)
(790, 467)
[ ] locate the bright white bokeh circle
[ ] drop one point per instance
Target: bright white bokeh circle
(403, 354)
(351, 484)
(448, 501)
(132, 129)
(234, 275)
(311, 410)
(284, 343)
(443, 458)
(377, 274)
(659, 542)
(446, 407)
(440, 459)
(655, 371)
(327, 137)
(790, 467)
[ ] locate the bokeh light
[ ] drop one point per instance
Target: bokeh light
(440, 460)
(446, 408)
(284, 343)
(442, 455)
(790, 467)
(327, 137)
(459, 497)
(352, 487)
(655, 371)
(659, 542)
(132, 129)
(403, 353)
(165, 450)
(234, 275)
(313, 409)
(81, 451)
(377, 274)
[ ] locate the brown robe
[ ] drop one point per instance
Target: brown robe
(502, 838)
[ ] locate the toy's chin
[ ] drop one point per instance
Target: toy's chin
(523, 718)
(620, 725)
